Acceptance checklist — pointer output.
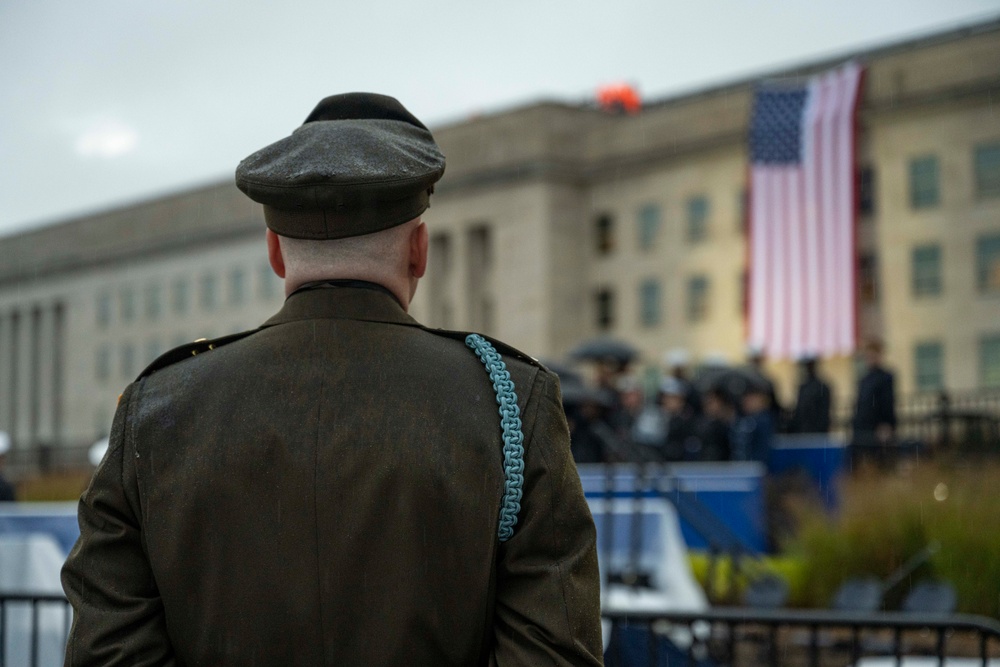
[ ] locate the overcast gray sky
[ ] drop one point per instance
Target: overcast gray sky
(106, 102)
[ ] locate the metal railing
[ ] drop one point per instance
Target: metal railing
(965, 422)
(733, 637)
(34, 629)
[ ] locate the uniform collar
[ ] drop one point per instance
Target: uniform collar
(347, 300)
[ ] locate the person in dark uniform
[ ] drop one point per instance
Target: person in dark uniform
(814, 403)
(7, 492)
(337, 487)
(875, 410)
(756, 359)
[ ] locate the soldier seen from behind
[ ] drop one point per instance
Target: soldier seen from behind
(337, 487)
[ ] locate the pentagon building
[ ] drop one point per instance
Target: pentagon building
(554, 223)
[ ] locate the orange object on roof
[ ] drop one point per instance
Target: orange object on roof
(619, 97)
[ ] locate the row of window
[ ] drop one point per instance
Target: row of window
(651, 302)
(926, 269)
(155, 299)
(928, 363)
(649, 220)
(925, 192)
(925, 176)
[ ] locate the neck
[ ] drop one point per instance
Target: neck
(398, 288)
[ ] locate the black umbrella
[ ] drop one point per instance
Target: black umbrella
(565, 373)
(602, 349)
(733, 381)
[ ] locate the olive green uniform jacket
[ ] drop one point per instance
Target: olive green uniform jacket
(325, 491)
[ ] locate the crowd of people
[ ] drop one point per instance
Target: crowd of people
(720, 413)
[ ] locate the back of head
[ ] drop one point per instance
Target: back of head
(374, 257)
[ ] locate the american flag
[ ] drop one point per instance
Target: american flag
(802, 216)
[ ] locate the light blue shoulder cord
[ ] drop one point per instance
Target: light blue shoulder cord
(513, 438)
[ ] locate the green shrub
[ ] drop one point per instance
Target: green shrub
(887, 519)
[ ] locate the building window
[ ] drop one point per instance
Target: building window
(988, 264)
(126, 300)
(604, 305)
(926, 270)
(989, 361)
(604, 227)
(743, 290)
(988, 170)
(479, 282)
(207, 290)
(267, 281)
(104, 310)
(102, 363)
(153, 298)
(237, 287)
(128, 361)
(649, 226)
(697, 219)
(924, 179)
(179, 295)
(697, 298)
(866, 191)
(649, 303)
(928, 364)
(867, 277)
(153, 349)
(439, 269)
(742, 209)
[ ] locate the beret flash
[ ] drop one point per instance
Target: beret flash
(359, 164)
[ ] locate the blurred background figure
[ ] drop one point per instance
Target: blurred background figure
(677, 362)
(875, 411)
(715, 425)
(756, 359)
(7, 493)
(754, 431)
(679, 421)
(814, 402)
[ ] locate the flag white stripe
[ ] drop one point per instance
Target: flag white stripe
(778, 262)
(814, 264)
(827, 165)
(796, 265)
(759, 302)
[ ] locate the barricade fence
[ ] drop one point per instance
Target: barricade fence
(736, 637)
(34, 629)
(941, 422)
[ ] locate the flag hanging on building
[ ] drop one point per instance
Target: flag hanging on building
(802, 212)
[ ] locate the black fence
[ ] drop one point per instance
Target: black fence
(959, 423)
(33, 629)
(732, 637)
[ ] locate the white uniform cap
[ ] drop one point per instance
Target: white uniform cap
(714, 360)
(676, 357)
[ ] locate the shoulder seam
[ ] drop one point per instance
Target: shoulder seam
(194, 348)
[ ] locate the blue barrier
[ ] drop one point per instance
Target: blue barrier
(719, 503)
(55, 519)
(822, 456)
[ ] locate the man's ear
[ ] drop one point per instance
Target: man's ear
(419, 241)
(274, 254)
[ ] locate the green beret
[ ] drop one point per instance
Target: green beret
(359, 164)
